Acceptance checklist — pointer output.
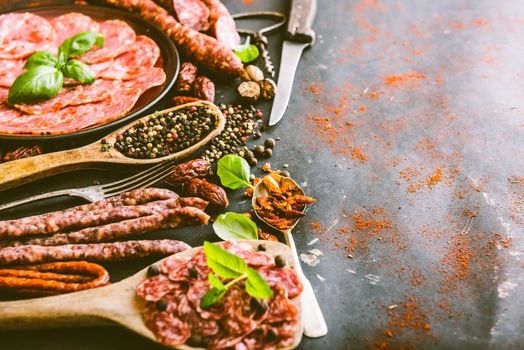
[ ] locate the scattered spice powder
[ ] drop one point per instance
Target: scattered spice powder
(403, 79)
(435, 178)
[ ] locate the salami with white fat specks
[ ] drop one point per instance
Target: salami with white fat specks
(252, 258)
(284, 276)
(236, 321)
(21, 34)
(71, 24)
(138, 60)
(62, 100)
(118, 35)
(190, 13)
(222, 24)
(10, 70)
(154, 288)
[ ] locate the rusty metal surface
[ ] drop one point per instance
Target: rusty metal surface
(407, 124)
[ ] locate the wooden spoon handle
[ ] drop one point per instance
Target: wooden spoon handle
(68, 310)
(312, 317)
(26, 170)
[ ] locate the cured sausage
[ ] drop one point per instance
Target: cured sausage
(21, 34)
(118, 35)
(168, 218)
(71, 24)
(33, 254)
(138, 60)
(204, 89)
(214, 194)
(54, 278)
(186, 77)
(190, 13)
(63, 99)
(204, 50)
(222, 24)
(189, 170)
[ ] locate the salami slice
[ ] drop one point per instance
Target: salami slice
(153, 288)
(239, 316)
(3, 94)
(154, 77)
(280, 307)
(71, 24)
(114, 107)
(8, 114)
(138, 60)
(192, 14)
(168, 328)
(284, 276)
(10, 70)
(246, 252)
(100, 90)
(118, 36)
(176, 268)
(24, 33)
(63, 99)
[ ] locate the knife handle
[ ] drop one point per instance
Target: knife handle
(300, 21)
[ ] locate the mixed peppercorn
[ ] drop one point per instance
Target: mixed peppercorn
(165, 134)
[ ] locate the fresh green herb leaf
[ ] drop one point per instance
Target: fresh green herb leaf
(211, 297)
(79, 44)
(247, 52)
(256, 286)
(234, 172)
(78, 71)
(41, 58)
(224, 263)
(215, 281)
(38, 83)
(234, 226)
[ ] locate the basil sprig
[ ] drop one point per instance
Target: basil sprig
(44, 75)
(228, 266)
(234, 172)
(247, 52)
(234, 226)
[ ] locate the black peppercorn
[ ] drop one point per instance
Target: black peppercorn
(261, 248)
(280, 261)
(193, 273)
(269, 143)
(161, 305)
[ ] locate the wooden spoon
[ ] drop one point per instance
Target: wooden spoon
(105, 306)
(30, 169)
(312, 317)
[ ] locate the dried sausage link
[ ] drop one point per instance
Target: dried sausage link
(55, 221)
(33, 254)
(34, 279)
(170, 218)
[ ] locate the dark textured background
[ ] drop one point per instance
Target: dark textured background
(443, 266)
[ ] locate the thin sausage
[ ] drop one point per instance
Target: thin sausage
(33, 254)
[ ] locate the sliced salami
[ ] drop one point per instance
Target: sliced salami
(195, 293)
(168, 328)
(118, 36)
(137, 60)
(100, 90)
(115, 107)
(10, 70)
(175, 268)
(8, 114)
(284, 276)
(3, 94)
(154, 77)
(24, 33)
(239, 317)
(63, 99)
(244, 250)
(71, 24)
(192, 14)
(280, 307)
(154, 288)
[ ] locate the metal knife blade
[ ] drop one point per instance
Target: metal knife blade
(291, 52)
(299, 35)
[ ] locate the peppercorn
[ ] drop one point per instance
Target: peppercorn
(153, 270)
(261, 248)
(280, 261)
(161, 305)
(268, 152)
(259, 150)
(193, 273)
(253, 162)
(269, 143)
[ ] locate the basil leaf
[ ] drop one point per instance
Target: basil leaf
(78, 71)
(215, 281)
(38, 83)
(233, 226)
(256, 286)
(233, 171)
(211, 297)
(247, 52)
(222, 262)
(79, 44)
(41, 58)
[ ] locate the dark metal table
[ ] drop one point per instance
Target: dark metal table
(407, 124)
